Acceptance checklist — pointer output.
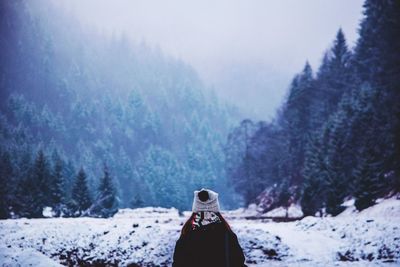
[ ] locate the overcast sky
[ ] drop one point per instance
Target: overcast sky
(247, 49)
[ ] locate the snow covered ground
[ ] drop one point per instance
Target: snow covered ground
(147, 236)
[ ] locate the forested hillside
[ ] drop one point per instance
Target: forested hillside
(337, 133)
(83, 113)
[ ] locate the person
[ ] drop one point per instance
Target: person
(206, 238)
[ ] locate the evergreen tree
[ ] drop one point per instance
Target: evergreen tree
(367, 176)
(57, 190)
(80, 197)
(23, 175)
(6, 185)
(40, 189)
(297, 114)
(32, 194)
(314, 187)
(333, 79)
(106, 203)
(337, 183)
(27, 202)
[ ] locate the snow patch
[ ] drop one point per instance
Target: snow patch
(293, 211)
(48, 212)
(147, 237)
(15, 256)
(385, 208)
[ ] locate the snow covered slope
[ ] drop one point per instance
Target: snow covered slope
(147, 236)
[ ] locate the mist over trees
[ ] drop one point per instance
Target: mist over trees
(337, 134)
(72, 100)
(90, 124)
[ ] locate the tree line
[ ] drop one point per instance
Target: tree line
(337, 134)
(44, 183)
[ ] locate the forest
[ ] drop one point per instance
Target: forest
(336, 136)
(90, 124)
(74, 103)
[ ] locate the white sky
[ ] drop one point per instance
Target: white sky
(259, 43)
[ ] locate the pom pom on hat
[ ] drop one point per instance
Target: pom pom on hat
(205, 200)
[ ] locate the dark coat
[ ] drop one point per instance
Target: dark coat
(209, 246)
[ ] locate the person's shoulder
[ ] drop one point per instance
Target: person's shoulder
(232, 235)
(183, 241)
(182, 238)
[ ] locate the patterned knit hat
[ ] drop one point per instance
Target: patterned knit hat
(205, 200)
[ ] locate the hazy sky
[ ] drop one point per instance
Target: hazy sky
(247, 49)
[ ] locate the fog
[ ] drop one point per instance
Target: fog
(247, 50)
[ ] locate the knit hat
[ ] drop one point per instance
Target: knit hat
(205, 200)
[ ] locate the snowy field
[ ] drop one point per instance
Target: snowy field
(146, 237)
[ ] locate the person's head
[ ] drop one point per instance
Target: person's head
(204, 200)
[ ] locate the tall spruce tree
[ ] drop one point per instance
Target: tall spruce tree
(58, 190)
(368, 176)
(297, 114)
(27, 203)
(81, 200)
(337, 180)
(315, 178)
(39, 185)
(33, 192)
(106, 203)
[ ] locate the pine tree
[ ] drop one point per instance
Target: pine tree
(6, 185)
(332, 81)
(27, 202)
(297, 114)
(23, 174)
(371, 148)
(337, 182)
(368, 179)
(314, 187)
(81, 199)
(31, 194)
(38, 184)
(339, 68)
(57, 190)
(106, 203)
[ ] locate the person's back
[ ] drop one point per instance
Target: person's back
(206, 238)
